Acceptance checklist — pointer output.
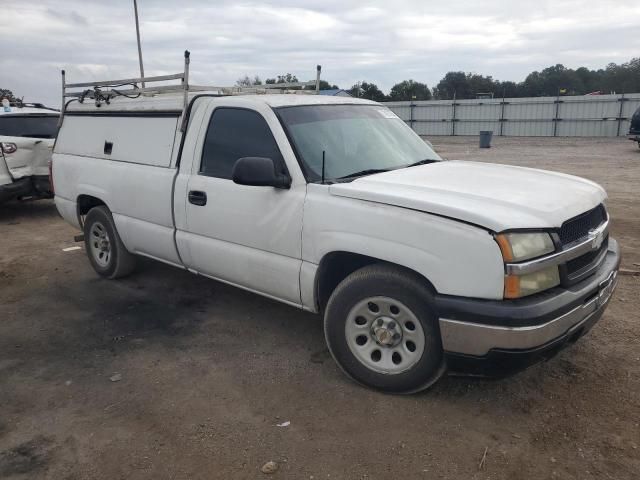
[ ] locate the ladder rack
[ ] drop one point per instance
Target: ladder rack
(105, 90)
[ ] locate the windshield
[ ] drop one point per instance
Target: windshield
(355, 138)
(40, 126)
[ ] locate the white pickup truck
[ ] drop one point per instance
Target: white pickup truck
(419, 266)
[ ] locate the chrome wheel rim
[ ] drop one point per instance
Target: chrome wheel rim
(100, 244)
(384, 335)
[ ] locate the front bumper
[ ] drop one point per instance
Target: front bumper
(485, 337)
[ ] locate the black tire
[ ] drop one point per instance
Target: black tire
(381, 280)
(119, 262)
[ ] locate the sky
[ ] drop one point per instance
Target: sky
(378, 41)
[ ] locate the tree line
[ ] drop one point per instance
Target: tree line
(551, 81)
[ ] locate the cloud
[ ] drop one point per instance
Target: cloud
(71, 17)
(379, 41)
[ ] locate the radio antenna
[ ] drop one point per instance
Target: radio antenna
(322, 180)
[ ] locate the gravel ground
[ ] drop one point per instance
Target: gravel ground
(166, 375)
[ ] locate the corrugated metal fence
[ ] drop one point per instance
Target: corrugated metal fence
(565, 116)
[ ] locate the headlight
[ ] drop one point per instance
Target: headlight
(518, 247)
(516, 286)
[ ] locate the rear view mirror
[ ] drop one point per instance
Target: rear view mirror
(259, 172)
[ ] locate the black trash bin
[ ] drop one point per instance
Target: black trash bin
(485, 138)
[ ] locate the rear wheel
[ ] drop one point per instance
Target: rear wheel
(105, 249)
(382, 332)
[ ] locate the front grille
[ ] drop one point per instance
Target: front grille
(577, 265)
(575, 229)
(578, 227)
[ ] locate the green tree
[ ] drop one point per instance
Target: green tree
(286, 78)
(614, 78)
(507, 89)
(5, 92)
(248, 82)
(409, 90)
(624, 78)
(552, 80)
(590, 79)
(367, 90)
(324, 85)
(453, 84)
(480, 84)
(465, 85)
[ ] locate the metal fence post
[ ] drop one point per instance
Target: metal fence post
(453, 116)
(555, 120)
(502, 104)
(621, 100)
(411, 120)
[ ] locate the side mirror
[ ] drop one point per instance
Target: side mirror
(259, 172)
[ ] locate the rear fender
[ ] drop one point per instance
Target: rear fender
(31, 158)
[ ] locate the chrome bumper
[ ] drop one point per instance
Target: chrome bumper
(478, 339)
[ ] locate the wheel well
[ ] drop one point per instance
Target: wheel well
(336, 266)
(86, 203)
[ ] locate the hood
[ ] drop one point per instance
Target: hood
(498, 197)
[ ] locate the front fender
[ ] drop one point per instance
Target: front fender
(457, 258)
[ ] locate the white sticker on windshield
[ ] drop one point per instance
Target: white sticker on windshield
(386, 113)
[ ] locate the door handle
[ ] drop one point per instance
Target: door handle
(197, 197)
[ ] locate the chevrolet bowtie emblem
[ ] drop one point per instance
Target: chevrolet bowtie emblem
(598, 238)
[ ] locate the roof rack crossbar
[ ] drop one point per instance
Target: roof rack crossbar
(310, 83)
(124, 81)
(258, 89)
(135, 91)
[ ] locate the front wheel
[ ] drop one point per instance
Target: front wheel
(382, 332)
(106, 252)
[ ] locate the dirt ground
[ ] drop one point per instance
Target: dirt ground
(209, 371)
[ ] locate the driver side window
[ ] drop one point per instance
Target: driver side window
(234, 133)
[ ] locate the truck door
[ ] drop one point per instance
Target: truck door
(245, 235)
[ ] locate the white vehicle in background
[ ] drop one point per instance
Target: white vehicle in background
(334, 205)
(27, 135)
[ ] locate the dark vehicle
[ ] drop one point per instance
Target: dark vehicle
(634, 129)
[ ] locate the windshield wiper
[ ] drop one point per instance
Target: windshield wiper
(371, 171)
(421, 162)
(362, 173)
